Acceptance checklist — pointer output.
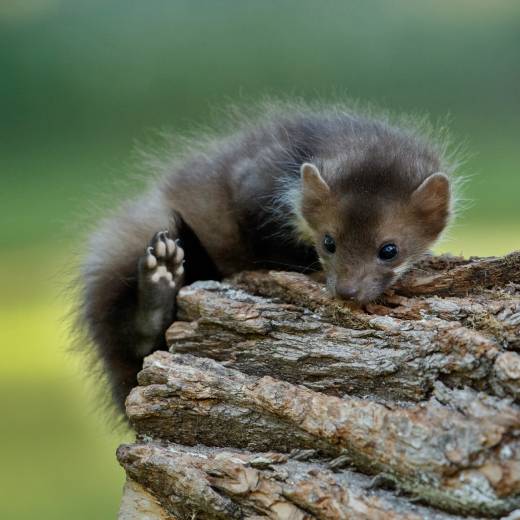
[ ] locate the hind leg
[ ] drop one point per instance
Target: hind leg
(160, 276)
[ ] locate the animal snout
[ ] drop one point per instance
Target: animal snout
(347, 291)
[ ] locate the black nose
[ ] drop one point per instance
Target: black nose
(346, 291)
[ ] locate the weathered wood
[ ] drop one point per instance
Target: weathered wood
(138, 504)
(231, 484)
(419, 388)
(430, 449)
(456, 276)
(390, 357)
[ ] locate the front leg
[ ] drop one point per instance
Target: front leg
(160, 276)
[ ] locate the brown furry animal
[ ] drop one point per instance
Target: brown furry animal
(300, 188)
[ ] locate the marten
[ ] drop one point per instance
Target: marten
(298, 188)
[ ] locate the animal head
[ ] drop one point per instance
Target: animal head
(369, 230)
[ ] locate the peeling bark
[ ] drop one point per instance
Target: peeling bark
(419, 389)
(235, 484)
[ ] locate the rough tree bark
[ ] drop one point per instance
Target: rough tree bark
(276, 401)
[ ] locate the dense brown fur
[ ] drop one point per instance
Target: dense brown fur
(246, 202)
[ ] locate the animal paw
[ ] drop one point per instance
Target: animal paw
(160, 276)
(163, 261)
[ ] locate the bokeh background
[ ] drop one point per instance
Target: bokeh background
(82, 81)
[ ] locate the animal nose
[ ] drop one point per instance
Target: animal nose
(346, 291)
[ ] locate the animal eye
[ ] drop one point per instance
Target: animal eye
(329, 244)
(388, 252)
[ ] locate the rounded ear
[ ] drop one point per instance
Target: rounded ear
(314, 188)
(432, 200)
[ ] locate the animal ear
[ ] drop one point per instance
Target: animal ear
(432, 200)
(314, 188)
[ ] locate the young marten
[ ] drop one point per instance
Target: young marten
(300, 189)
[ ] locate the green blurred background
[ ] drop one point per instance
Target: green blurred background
(82, 81)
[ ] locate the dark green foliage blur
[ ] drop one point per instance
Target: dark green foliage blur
(82, 81)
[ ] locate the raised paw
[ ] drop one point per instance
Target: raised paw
(160, 273)
(163, 260)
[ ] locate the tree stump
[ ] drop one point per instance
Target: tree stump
(279, 402)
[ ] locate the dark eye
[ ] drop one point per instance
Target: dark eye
(388, 252)
(329, 244)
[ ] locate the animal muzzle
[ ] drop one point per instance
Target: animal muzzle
(347, 290)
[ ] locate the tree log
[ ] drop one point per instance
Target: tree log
(418, 391)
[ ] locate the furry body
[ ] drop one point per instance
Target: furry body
(246, 202)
